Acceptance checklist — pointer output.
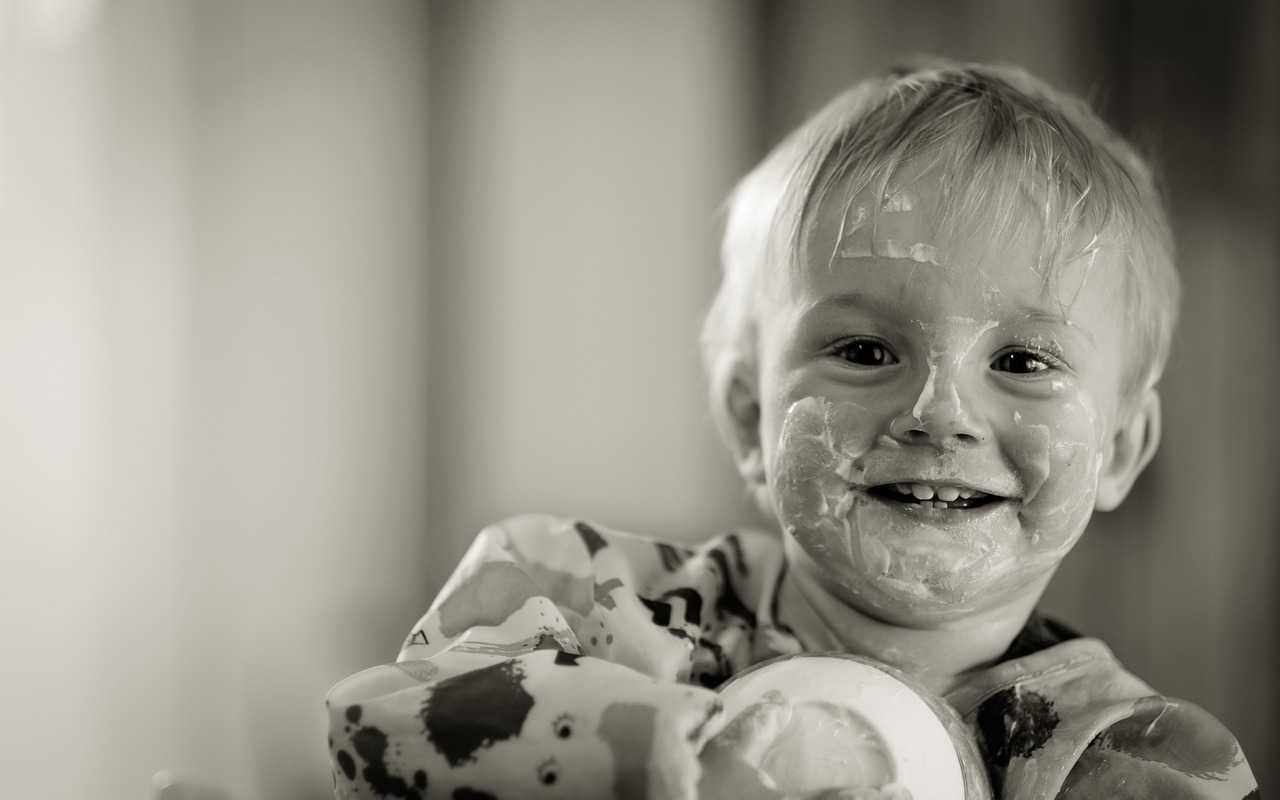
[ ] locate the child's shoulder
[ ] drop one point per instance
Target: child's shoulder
(578, 545)
(1068, 720)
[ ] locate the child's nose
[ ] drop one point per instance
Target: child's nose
(939, 414)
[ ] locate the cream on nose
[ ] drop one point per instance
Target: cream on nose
(938, 413)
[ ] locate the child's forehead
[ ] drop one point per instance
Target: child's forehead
(916, 214)
(893, 257)
(1007, 244)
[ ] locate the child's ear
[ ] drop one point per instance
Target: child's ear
(741, 399)
(1130, 450)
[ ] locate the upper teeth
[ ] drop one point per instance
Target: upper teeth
(923, 491)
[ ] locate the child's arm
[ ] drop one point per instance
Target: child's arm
(1165, 748)
(1070, 722)
(536, 671)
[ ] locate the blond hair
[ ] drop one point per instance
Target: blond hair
(993, 135)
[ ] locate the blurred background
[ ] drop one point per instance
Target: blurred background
(296, 295)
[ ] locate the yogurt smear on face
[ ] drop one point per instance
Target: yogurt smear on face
(934, 432)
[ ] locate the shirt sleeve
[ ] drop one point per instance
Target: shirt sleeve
(538, 671)
(1070, 722)
(1165, 748)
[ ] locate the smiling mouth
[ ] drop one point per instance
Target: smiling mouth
(928, 495)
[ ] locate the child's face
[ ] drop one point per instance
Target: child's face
(936, 425)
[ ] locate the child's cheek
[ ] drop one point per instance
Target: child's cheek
(820, 453)
(1055, 446)
(889, 560)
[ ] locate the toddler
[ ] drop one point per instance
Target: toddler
(947, 299)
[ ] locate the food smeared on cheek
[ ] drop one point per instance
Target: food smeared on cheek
(1057, 446)
(1037, 472)
(1029, 448)
(818, 458)
(821, 483)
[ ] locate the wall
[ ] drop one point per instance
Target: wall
(93, 321)
(212, 323)
(579, 155)
(306, 447)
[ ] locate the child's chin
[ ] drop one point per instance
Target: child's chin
(925, 600)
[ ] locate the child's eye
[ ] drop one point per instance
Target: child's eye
(1020, 362)
(866, 353)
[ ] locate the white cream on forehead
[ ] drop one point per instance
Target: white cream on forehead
(904, 229)
(900, 230)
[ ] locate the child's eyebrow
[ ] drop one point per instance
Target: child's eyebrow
(1031, 314)
(861, 301)
(856, 301)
